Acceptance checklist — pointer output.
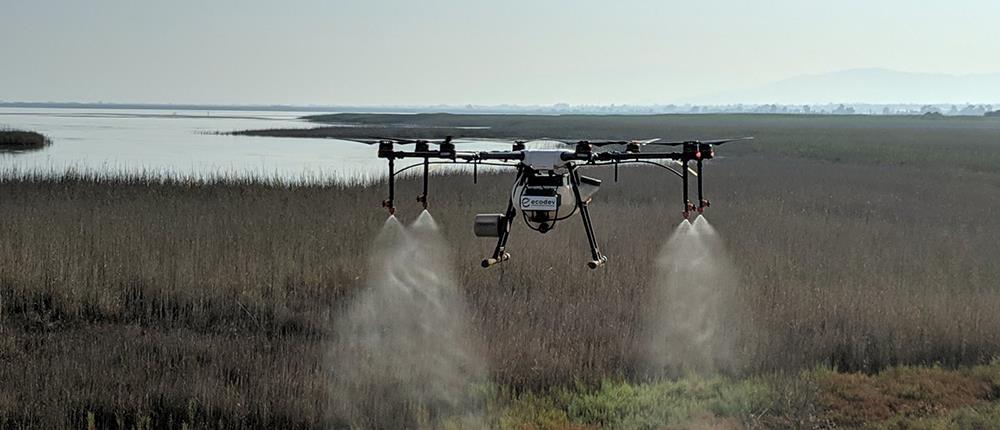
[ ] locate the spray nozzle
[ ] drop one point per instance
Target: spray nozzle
(688, 208)
(493, 261)
(597, 263)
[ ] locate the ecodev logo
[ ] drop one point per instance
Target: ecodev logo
(536, 203)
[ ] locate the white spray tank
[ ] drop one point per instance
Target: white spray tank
(544, 197)
(547, 197)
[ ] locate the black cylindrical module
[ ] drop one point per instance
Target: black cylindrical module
(490, 225)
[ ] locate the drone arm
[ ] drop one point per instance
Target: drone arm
(620, 156)
(413, 154)
(499, 155)
(465, 156)
(683, 157)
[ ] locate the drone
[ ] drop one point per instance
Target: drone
(548, 187)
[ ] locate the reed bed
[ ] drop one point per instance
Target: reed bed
(149, 301)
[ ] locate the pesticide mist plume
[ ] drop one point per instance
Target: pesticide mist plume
(403, 355)
(693, 315)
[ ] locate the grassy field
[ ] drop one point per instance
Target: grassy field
(18, 140)
(869, 283)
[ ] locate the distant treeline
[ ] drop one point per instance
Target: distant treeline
(558, 108)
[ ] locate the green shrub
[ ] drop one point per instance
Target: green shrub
(620, 405)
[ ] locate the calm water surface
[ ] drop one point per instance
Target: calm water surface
(169, 142)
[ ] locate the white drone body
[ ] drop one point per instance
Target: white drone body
(549, 187)
(546, 159)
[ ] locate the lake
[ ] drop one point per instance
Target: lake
(180, 142)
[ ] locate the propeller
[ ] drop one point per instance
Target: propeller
(403, 141)
(706, 142)
(600, 143)
(645, 142)
(398, 141)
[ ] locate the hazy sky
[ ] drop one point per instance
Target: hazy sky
(338, 52)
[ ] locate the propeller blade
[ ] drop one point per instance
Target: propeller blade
(695, 142)
(625, 142)
(609, 142)
(360, 140)
(673, 143)
(600, 143)
(721, 141)
(405, 141)
(394, 139)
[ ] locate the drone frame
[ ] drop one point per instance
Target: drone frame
(583, 155)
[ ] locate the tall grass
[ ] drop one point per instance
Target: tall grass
(150, 300)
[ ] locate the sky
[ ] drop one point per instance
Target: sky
(404, 52)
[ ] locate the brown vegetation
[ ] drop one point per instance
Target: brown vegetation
(857, 399)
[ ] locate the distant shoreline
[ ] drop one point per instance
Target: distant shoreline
(846, 108)
(569, 127)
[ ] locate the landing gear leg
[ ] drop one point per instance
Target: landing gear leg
(688, 206)
(595, 252)
(702, 201)
(500, 252)
(422, 198)
(388, 203)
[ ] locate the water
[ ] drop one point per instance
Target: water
(694, 316)
(403, 356)
(175, 142)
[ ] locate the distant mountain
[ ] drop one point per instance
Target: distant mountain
(867, 86)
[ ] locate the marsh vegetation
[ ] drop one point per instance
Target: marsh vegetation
(20, 140)
(150, 301)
